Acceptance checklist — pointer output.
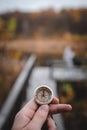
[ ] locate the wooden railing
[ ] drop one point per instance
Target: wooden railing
(16, 96)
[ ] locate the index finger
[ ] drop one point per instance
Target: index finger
(58, 108)
(29, 109)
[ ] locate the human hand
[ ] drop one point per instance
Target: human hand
(32, 117)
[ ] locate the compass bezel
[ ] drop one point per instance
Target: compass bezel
(45, 87)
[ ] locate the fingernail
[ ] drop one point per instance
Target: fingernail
(44, 107)
(70, 107)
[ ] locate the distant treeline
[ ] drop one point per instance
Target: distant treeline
(46, 23)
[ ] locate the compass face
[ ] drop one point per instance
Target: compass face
(43, 95)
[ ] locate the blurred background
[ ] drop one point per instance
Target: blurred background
(45, 28)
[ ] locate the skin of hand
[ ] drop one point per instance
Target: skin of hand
(33, 116)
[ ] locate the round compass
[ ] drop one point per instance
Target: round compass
(43, 95)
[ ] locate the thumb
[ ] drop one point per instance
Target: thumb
(40, 117)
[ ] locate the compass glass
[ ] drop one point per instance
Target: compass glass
(43, 95)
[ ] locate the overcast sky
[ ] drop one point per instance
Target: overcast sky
(37, 5)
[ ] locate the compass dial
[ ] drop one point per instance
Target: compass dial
(43, 95)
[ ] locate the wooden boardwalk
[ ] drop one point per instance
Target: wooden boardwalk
(69, 74)
(61, 71)
(39, 76)
(24, 86)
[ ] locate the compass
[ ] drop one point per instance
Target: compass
(43, 95)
